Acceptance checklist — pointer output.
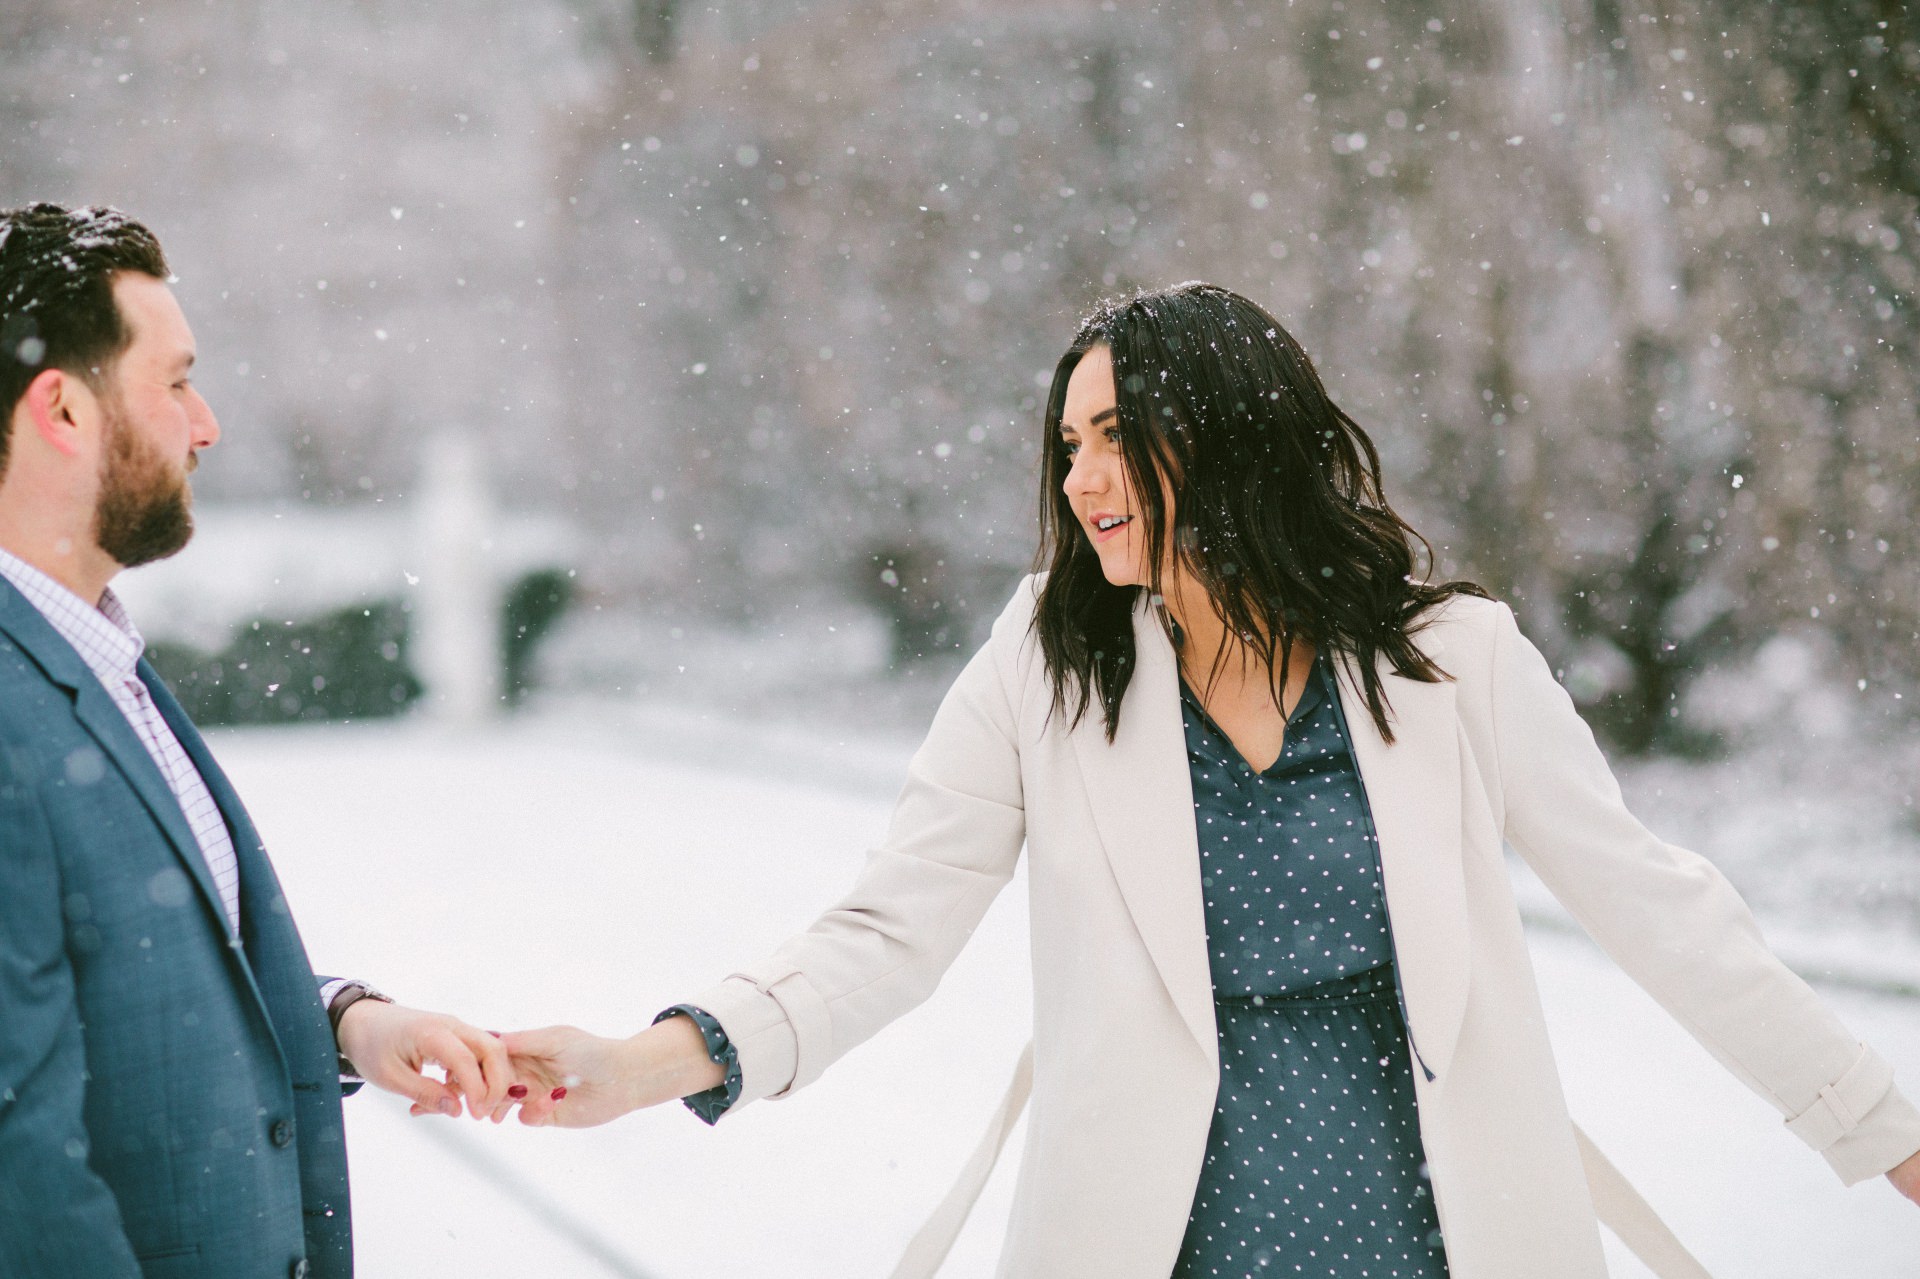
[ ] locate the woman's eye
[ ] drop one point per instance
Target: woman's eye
(1070, 446)
(1113, 434)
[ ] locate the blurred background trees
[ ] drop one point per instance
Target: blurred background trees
(765, 293)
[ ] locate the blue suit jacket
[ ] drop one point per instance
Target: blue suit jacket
(169, 1099)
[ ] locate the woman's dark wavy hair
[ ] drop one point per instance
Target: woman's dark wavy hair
(1276, 492)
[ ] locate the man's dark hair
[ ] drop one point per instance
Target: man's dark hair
(56, 295)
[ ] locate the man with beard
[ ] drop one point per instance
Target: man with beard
(170, 1067)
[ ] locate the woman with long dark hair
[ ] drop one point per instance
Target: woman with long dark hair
(1284, 1017)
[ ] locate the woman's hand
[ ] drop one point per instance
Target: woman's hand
(1906, 1178)
(573, 1079)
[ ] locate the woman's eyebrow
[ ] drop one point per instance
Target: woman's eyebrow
(1104, 415)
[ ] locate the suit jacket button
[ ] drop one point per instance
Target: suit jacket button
(299, 1268)
(281, 1134)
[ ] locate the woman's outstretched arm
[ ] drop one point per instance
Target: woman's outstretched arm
(1670, 919)
(953, 843)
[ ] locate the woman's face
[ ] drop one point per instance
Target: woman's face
(1096, 484)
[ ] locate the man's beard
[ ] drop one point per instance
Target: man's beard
(145, 511)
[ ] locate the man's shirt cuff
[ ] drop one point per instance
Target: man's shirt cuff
(330, 991)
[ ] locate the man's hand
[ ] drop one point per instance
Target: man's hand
(577, 1080)
(1906, 1177)
(390, 1046)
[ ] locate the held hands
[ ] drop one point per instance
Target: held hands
(560, 1076)
(391, 1046)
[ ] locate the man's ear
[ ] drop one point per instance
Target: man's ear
(57, 403)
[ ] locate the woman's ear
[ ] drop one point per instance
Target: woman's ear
(58, 405)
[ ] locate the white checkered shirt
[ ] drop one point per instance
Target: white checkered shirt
(109, 644)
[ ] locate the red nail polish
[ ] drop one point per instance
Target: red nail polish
(558, 1094)
(496, 1034)
(517, 1091)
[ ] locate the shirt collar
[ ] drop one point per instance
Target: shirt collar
(102, 634)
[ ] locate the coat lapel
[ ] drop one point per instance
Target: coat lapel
(109, 728)
(263, 910)
(1413, 790)
(1142, 799)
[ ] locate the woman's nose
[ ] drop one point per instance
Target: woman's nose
(1084, 476)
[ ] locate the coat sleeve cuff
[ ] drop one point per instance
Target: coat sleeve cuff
(767, 1022)
(716, 1101)
(1860, 1122)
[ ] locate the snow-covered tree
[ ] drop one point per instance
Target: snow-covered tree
(766, 291)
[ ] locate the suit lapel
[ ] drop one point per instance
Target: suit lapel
(102, 719)
(264, 916)
(1141, 794)
(96, 710)
(1413, 789)
(246, 841)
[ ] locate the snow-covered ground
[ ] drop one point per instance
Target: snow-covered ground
(593, 868)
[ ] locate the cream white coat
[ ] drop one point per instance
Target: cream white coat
(1125, 1059)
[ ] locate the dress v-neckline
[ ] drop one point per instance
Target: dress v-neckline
(1310, 696)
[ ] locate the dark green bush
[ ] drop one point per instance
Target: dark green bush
(347, 664)
(535, 603)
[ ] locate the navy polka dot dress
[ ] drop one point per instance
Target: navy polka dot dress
(1314, 1165)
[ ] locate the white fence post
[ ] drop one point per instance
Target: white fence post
(456, 607)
